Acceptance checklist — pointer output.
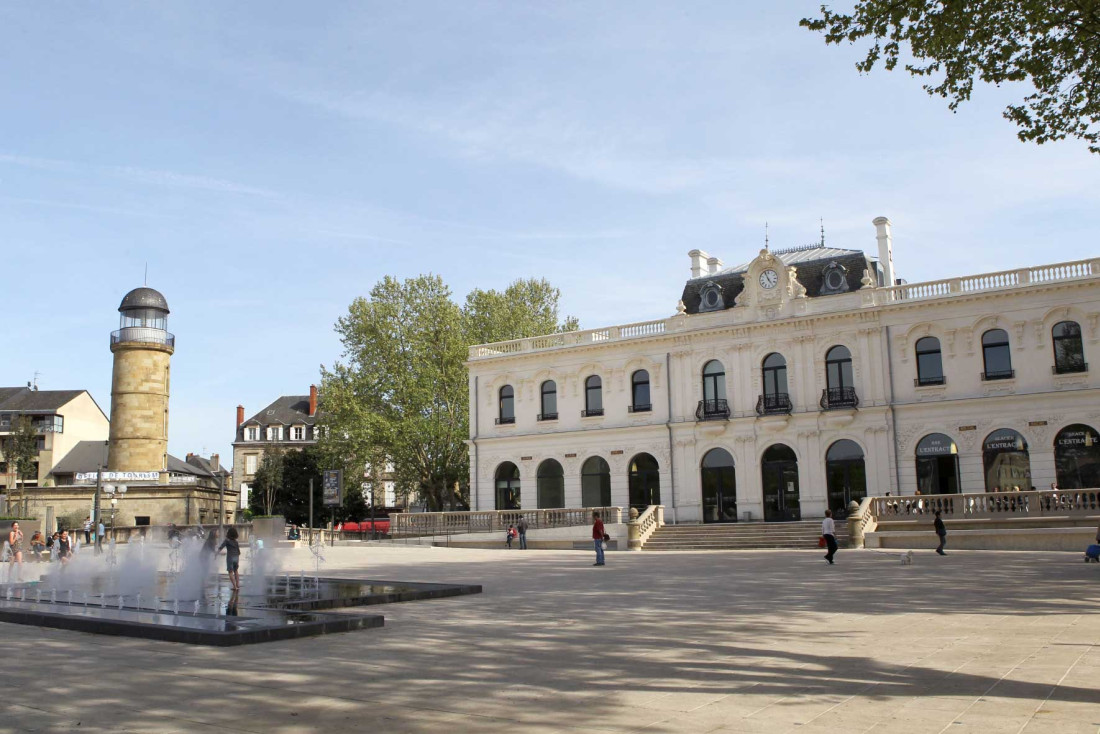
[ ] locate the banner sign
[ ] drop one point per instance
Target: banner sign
(120, 476)
(332, 486)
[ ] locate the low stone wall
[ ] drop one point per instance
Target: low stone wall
(1070, 539)
(570, 538)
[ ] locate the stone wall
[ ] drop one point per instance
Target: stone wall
(139, 407)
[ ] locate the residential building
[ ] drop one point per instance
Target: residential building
(289, 423)
(61, 418)
(803, 379)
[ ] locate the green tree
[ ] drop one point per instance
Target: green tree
(268, 483)
(22, 451)
(400, 393)
(1053, 44)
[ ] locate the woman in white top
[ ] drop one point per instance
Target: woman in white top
(828, 530)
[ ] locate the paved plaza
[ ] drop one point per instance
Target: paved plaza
(655, 642)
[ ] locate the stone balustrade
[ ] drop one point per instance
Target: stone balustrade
(410, 524)
(644, 525)
(991, 505)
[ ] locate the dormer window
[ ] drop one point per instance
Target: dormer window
(834, 279)
(252, 433)
(711, 298)
(298, 433)
(274, 433)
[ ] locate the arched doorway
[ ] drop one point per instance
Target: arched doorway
(719, 487)
(550, 484)
(1006, 461)
(937, 465)
(779, 470)
(507, 486)
(645, 482)
(845, 475)
(1077, 457)
(595, 483)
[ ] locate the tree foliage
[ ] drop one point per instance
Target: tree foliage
(290, 498)
(22, 448)
(1053, 44)
(400, 394)
(268, 482)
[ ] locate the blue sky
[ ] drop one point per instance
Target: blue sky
(271, 161)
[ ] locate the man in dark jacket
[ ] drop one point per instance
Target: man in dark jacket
(522, 526)
(940, 531)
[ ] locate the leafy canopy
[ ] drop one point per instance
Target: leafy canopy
(1053, 44)
(400, 395)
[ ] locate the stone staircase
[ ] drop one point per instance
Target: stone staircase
(801, 535)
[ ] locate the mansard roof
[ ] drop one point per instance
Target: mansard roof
(287, 410)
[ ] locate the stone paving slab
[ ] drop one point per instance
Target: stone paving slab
(743, 641)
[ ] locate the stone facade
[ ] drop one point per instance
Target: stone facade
(709, 387)
(139, 407)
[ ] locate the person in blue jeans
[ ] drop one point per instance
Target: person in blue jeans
(597, 538)
(521, 526)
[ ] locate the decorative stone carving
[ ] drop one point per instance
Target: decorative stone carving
(834, 279)
(711, 297)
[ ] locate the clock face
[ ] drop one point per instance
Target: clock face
(768, 279)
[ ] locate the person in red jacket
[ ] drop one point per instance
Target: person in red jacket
(597, 537)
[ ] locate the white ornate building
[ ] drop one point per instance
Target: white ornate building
(798, 381)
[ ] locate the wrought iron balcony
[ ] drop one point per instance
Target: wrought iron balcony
(639, 408)
(591, 412)
(712, 410)
(1068, 369)
(548, 416)
(506, 421)
(774, 404)
(1001, 375)
(143, 335)
(839, 398)
(926, 381)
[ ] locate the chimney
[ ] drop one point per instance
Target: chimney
(189, 455)
(312, 400)
(698, 263)
(885, 249)
(240, 415)
(714, 264)
(215, 463)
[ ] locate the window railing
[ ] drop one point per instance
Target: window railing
(548, 416)
(1068, 369)
(591, 412)
(833, 398)
(639, 408)
(998, 375)
(926, 381)
(712, 410)
(143, 335)
(774, 404)
(505, 421)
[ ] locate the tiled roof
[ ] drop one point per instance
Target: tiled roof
(795, 255)
(27, 400)
(87, 456)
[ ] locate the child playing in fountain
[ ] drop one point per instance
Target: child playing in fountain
(64, 548)
(232, 557)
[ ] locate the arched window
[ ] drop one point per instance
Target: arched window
(996, 355)
(1069, 352)
(713, 406)
(1006, 461)
(840, 391)
(639, 391)
(593, 396)
(845, 475)
(549, 401)
(507, 405)
(507, 486)
(595, 483)
(779, 472)
(719, 487)
(775, 398)
(551, 485)
(1077, 457)
(937, 465)
(929, 361)
(645, 482)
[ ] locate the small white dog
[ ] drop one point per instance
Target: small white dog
(907, 558)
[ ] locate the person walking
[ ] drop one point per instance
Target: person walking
(940, 531)
(598, 536)
(15, 544)
(87, 530)
(828, 531)
(100, 531)
(521, 526)
(232, 557)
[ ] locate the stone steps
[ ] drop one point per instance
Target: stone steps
(801, 535)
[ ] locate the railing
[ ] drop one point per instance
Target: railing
(591, 412)
(1073, 270)
(774, 404)
(861, 522)
(639, 408)
(143, 335)
(1044, 503)
(548, 416)
(645, 525)
(712, 410)
(998, 375)
(926, 381)
(570, 338)
(505, 421)
(833, 398)
(1069, 369)
(411, 524)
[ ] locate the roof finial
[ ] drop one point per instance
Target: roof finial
(822, 221)
(146, 273)
(765, 235)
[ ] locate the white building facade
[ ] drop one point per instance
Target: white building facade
(804, 379)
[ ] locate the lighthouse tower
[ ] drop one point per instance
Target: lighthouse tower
(142, 349)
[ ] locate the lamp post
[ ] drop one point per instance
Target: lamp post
(114, 493)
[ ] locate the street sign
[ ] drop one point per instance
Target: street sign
(331, 487)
